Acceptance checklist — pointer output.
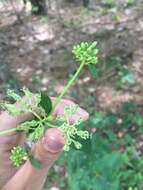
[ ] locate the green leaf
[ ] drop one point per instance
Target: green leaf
(97, 119)
(92, 70)
(129, 78)
(34, 162)
(128, 139)
(138, 119)
(37, 133)
(111, 135)
(46, 103)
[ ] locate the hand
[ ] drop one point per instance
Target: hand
(46, 150)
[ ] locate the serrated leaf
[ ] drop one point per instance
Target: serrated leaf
(34, 162)
(46, 103)
(92, 70)
(37, 134)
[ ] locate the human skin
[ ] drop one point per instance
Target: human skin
(46, 150)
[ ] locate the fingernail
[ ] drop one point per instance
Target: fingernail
(53, 140)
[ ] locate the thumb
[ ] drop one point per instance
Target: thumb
(46, 150)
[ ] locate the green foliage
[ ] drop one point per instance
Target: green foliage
(93, 167)
(26, 104)
(71, 131)
(126, 76)
(107, 160)
(43, 103)
(114, 68)
(132, 171)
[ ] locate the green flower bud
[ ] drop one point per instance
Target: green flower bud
(17, 155)
(86, 52)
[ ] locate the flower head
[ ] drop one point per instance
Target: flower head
(86, 52)
(17, 155)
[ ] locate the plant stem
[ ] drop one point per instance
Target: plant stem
(51, 125)
(36, 115)
(8, 131)
(18, 128)
(49, 118)
(68, 86)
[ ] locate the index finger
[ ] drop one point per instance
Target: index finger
(80, 113)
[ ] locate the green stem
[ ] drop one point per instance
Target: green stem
(36, 115)
(8, 131)
(51, 125)
(68, 86)
(49, 118)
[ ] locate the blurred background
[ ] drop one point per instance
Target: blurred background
(36, 40)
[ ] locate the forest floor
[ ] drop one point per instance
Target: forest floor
(36, 52)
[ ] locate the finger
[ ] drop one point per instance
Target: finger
(48, 146)
(7, 142)
(6, 122)
(79, 114)
(9, 121)
(46, 151)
